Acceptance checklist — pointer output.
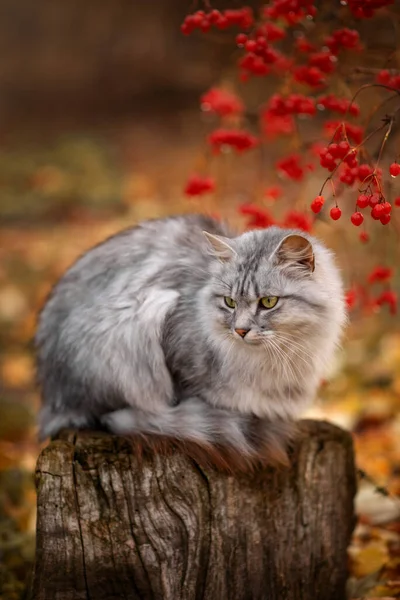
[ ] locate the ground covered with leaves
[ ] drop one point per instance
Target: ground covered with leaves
(59, 201)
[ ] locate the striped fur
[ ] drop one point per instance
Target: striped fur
(136, 336)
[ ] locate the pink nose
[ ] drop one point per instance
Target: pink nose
(242, 332)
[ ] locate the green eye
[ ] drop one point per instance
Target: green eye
(269, 301)
(229, 302)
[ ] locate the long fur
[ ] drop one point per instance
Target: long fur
(136, 336)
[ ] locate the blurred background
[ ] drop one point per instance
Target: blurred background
(100, 127)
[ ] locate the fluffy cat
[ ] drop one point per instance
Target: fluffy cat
(206, 337)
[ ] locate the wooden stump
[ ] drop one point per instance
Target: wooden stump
(114, 525)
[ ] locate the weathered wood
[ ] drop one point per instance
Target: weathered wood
(112, 524)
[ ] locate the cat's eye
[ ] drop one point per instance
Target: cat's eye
(269, 301)
(229, 302)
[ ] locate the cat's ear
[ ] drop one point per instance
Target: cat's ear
(296, 251)
(220, 246)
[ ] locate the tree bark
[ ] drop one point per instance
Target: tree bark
(113, 523)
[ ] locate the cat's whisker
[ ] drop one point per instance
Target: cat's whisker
(298, 347)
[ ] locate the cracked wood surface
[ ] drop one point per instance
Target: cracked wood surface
(116, 524)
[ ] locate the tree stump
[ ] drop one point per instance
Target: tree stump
(113, 524)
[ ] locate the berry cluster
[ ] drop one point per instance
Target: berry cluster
(258, 218)
(340, 105)
(380, 274)
(273, 126)
(365, 9)
(334, 152)
(197, 185)
(292, 11)
(242, 18)
(380, 209)
(235, 138)
(388, 297)
(348, 39)
(385, 77)
(260, 56)
(297, 220)
(291, 167)
(294, 104)
(339, 129)
(325, 61)
(221, 102)
(309, 75)
(345, 155)
(302, 44)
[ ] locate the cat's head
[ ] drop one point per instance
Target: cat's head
(274, 286)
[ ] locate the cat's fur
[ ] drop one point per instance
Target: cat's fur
(136, 336)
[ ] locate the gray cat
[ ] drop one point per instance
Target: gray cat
(177, 327)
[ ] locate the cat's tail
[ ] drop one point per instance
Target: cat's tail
(225, 436)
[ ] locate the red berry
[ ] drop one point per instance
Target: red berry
(357, 218)
(317, 204)
(362, 201)
(241, 39)
(397, 201)
(373, 200)
(335, 213)
(364, 237)
(250, 45)
(384, 219)
(394, 169)
(377, 212)
(386, 208)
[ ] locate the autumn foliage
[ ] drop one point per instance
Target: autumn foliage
(302, 52)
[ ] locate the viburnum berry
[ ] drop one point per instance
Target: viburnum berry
(297, 220)
(303, 45)
(362, 201)
(222, 102)
(241, 39)
(364, 171)
(309, 75)
(386, 208)
(394, 169)
(364, 237)
(349, 174)
(270, 31)
(365, 9)
(250, 45)
(325, 61)
(357, 219)
(377, 212)
(385, 218)
(198, 185)
(343, 38)
(380, 274)
(236, 138)
(252, 64)
(374, 199)
(396, 201)
(340, 105)
(292, 11)
(317, 204)
(241, 17)
(291, 167)
(351, 159)
(385, 77)
(336, 129)
(388, 297)
(335, 213)
(274, 192)
(350, 298)
(258, 217)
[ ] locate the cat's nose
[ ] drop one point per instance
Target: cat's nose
(242, 332)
